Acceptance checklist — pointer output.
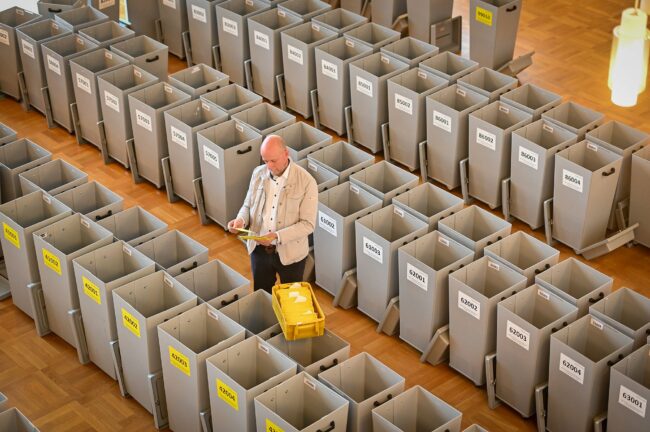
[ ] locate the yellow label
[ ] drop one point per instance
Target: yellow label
(130, 322)
(91, 290)
(272, 427)
(179, 361)
(484, 16)
(52, 261)
(227, 394)
(11, 235)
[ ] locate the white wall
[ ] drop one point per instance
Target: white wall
(26, 4)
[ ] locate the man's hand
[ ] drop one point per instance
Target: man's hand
(268, 239)
(234, 224)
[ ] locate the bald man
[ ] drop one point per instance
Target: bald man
(281, 205)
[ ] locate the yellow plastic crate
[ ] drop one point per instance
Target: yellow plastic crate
(304, 329)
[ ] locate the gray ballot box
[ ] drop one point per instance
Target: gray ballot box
(366, 383)
(298, 60)
(302, 139)
(109, 7)
(10, 20)
(134, 226)
(429, 203)
(265, 44)
(182, 124)
(232, 98)
(369, 96)
(332, 61)
(140, 306)
(585, 180)
(493, 31)
(143, 15)
(186, 342)
(198, 80)
(579, 370)
(300, 404)
(313, 355)
(422, 14)
(384, 180)
(325, 179)
(488, 82)
(629, 392)
(575, 118)
(49, 8)
(93, 200)
(340, 20)
(175, 252)
(173, 23)
(215, 283)
(342, 158)
(146, 53)
(264, 118)
(97, 274)
(524, 254)
(53, 177)
(475, 228)
(15, 158)
(447, 126)
(31, 37)
(532, 99)
(372, 34)
(114, 88)
(625, 141)
(410, 50)
(525, 322)
(305, 9)
(57, 54)
(255, 313)
(627, 311)
(147, 107)
(80, 18)
(13, 420)
(475, 428)
(7, 134)
(407, 125)
(202, 20)
(56, 246)
(232, 25)
(229, 153)
(20, 219)
(385, 12)
(334, 235)
(448, 65)
(474, 292)
(378, 236)
(639, 203)
(424, 268)
(240, 373)
(416, 409)
(490, 146)
(84, 70)
(532, 163)
(577, 283)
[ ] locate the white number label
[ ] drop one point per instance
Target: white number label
(442, 121)
(330, 69)
(373, 250)
(417, 277)
(294, 54)
(28, 49)
(143, 120)
(403, 104)
(518, 335)
(84, 83)
(486, 139)
(170, 3)
(572, 368)
(572, 180)
(469, 305)
(327, 223)
(103, 4)
(364, 86)
(111, 101)
(53, 65)
(632, 401)
(211, 157)
(198, 13)
(179, 137)
(4, 37)
(230, 26)
(529, 158)
(261, 39)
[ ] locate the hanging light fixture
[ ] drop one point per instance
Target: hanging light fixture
(628, 68)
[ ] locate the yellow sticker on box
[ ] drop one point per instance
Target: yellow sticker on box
(484, 16)
(180, 361)
(272, 427)
(52, 261)
(130, 322)
(227, 394)
(91, 290)
(11, 235)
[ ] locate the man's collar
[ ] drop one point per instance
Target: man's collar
(285, 174)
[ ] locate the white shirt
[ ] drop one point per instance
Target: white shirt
(273, 188)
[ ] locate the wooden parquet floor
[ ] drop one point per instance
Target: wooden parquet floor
(42, 377)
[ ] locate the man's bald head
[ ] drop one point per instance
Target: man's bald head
(275, 154)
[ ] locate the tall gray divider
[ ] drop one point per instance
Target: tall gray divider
(175, 252)
(384, 180)
(532, 162)
(627, 311)
(232, 98)
(215, 283)
(488, 82)
(146, 53)
(493, 31)
(109, 7)
(198, 80)
(639, 203)
(80, 18)
(302, 139)
(173, 23)
(385, 12)
(325, 179)
(15, 158)
(339, 20)
(525, 322)
(410, 50)
(628, 388)
(20, 219)
(450, 66)
(143, 16)
(255, 313)
(53, 177)
(579, 366)
(134, 226)
(264, 118)
(334, 235)
(232, 24)
(92, 200)
(422, 14)
(373, 35)
(48, 8)
(532, 99)
(229, 153)
(56, 246)
(474, 292)
(378, 236)
(369, 96)
(203, 25)
(298, 45)
(574, 118)
(186, 342)
(429, 203)
(352, 5)
(147, 107)
(114, 88)
(424, 268)
(342, 158)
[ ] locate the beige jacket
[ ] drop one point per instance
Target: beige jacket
(297, 209)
